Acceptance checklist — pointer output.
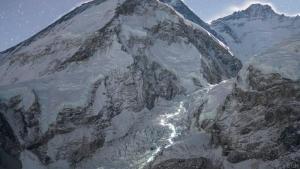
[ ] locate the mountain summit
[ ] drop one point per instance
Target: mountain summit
(259, 10)
(252, 31)
(254, 11)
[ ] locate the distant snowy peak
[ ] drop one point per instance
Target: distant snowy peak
(254, 11)
(255, 35)
(259, 10)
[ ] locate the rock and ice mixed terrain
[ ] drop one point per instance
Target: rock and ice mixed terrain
(187, 13)
(106, 85)
(260, 121)
(146, 84)
(258, 125)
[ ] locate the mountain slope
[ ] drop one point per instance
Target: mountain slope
(259, 121)
(68, 36)
(98, 88)
(254, 30)
(187, 13)
(258, 124)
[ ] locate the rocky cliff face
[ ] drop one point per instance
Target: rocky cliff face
(184, 10)
(96, 89)
(261, 121)
(258, 125)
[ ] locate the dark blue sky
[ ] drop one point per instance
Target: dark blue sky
(20, 19)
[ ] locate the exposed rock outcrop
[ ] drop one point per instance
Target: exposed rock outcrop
(261, 121)
(197, 163)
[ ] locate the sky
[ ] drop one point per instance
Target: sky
(20, 19)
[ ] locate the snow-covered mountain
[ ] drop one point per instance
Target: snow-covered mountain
(104, 85)
(253, 31)
(145, 84)
(258, 125)
(260, 37)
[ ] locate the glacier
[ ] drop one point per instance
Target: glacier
(146, 84)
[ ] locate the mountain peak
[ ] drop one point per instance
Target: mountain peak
(257, 10)
(259, 6)
(254, 11)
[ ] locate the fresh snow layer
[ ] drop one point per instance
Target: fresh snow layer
(283, 58)
(270, 43)
(255, 36)
(70, 88)
(185, 64)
